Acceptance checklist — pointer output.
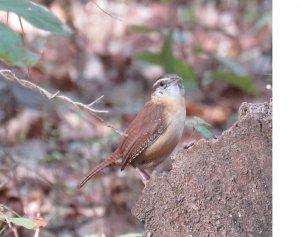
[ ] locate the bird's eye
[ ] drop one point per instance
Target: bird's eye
(162, 84)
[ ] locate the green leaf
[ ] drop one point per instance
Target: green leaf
(167, 54)
(243, 83)
(132, 235)
(36, 14)
(183, 70)
(232, 65)
(56, 156)
(31, 58)
(189, 124)
(205, 132)
(21, 221)
(201, 121)
(198, 51)
(262, 22)
(167, 61)
(186, 14)
(142, 29)
(148, 57)
(11, 49)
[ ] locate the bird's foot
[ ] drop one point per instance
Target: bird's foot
(144, 175)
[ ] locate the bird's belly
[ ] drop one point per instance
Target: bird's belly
(164, 145)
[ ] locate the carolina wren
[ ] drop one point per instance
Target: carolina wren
(155, 131)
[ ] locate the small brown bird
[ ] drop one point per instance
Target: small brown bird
(155, 131)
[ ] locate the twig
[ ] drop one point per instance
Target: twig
(2, 206)
(20, 21)
(14, 230)
(7, 16)
(97, 5)
(9, 75)
(37, 230)
(36, 233)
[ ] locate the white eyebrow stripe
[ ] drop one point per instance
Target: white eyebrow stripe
(159, 80)
(164, 78)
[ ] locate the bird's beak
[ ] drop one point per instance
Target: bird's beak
(177, 81)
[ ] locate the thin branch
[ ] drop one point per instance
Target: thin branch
(7, 16)
(9, 75)
(14, 230)
(22, 28)
(8, 209)
(101, 9)
(36, 233)
(37, 230)
(96, 101)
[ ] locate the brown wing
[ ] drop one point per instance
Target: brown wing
(143, 131)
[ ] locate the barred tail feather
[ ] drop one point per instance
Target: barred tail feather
(114, 156)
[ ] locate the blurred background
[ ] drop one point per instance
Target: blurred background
(222, 50)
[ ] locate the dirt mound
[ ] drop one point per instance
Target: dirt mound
(221, 187)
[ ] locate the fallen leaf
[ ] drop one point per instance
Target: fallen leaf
(40, 222)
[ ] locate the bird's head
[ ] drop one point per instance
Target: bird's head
(169, 85)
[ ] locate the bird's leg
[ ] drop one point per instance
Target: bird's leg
(144, 175)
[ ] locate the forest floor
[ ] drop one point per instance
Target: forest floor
(46, 146)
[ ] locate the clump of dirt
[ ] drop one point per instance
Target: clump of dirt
(221, 187)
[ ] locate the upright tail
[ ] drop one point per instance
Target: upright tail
(114, 156)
